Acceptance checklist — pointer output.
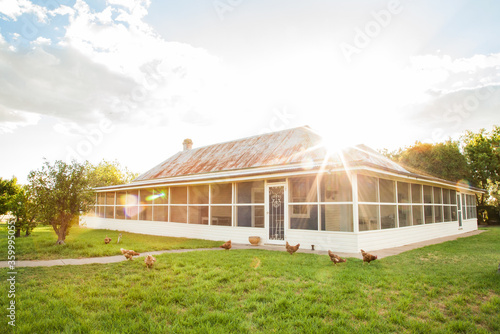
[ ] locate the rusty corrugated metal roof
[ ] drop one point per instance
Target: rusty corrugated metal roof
(293, 146)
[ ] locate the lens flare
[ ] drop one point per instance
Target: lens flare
(155, 196)
(255, 263)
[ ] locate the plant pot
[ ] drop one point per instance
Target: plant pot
(254, 240)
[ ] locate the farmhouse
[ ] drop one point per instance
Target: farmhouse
(287, 186)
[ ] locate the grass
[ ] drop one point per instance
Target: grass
(85, 242)
(446, 288)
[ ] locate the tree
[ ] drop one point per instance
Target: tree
(8, 188)
(483, 156)
(61, 192)
(23, 210)
(108, 173)
(442, 160)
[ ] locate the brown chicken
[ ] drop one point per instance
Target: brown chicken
(335, 258)
(129, 254)
(226, 245)
(367, 257)
(149, 261)
(291, 249)
(107, 240)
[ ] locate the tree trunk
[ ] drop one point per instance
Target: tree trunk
(18, 232)
(61, 234)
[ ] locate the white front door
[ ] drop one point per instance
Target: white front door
(276, 215)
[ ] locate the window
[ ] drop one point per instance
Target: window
(303, 189)
(447, 213)
(454, 214)
(250, 192)
(404, 214)
(388, 216)
(471, 207)
(403, 192)
(119, 212)
(417, 212)
(222, 215)
(131, 208)
(446, 196)
(437, 195)
(250, 216)
(179, 195)
(304, 222)
(110, 198)
(416, 193)
(427, 194)
(132, 197)
(109, 212)
(160, 213)
(178, 214)
(145, 212)
(198, 215)
(387, 191)
(222, 193)
(160, 196)
(132, 212)
(146, 196)
(197, 194)
(101, 198)
(453, 197)
(438, 214)
(336, 188)
(368, 217)
(121, 197)
(429, 214)
(367, 188)
(336, 217)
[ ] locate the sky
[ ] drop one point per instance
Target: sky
(129, 80)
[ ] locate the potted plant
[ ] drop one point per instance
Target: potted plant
(254, 240)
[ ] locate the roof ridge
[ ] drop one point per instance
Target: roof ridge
(192, 151)
(304, 127)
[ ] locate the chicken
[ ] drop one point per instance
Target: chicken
(107, 240)
(335, 258)
(226, 245)
(149, 261)
(367, 257)
(291, 249)
(129, 254)
(119, 237)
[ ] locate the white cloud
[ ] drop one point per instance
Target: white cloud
(104, 67)
(10, 120)
(457, 94)
(12, 9)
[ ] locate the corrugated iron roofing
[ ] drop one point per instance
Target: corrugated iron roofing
(293, 146)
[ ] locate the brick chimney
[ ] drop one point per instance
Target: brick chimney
(187, 144)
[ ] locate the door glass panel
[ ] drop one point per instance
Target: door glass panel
(277, 213)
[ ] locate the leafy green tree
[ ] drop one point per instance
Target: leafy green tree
(483, 156)
(23, 210)
(109, 173)
(8, 188)
(442, 160)
(61, 193)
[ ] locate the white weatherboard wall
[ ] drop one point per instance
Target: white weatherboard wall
(323, 240)
(380, 239)
(348, 242)
(213, 232)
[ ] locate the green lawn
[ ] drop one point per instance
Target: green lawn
(86, 242)
(447, 288)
